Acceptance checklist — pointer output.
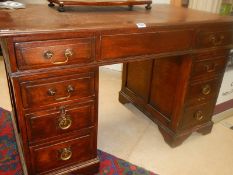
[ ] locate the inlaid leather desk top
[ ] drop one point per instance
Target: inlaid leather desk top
(40, 18)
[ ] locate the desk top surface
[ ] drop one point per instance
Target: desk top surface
(41, 18)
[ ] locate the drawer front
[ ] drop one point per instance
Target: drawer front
(196, 115)
(209, 67)
(207, 39)
(39, 54)
(46, 91)
(66, 119)
(202, 92)
(126, 45)
(212, 54)
(50, 157)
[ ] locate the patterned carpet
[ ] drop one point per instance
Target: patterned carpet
(10, 163)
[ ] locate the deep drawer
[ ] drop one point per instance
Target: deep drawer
(196, 115)
(63, 120)
(63, 154)
(39, 54)
(46, 91)
(126, 45)
(202, 91)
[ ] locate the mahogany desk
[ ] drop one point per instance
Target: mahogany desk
(173, 70)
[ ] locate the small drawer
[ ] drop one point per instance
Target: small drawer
(212, 54)
(208, 67)
(40, 54)
(196, 115)
(63, 154)
(202, 91)
(63, 120)
(207, 39)
(45, 91)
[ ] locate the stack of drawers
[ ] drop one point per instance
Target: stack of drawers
(206, 77)
(205, 81)
(57, 107)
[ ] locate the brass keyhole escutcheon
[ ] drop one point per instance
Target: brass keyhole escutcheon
(64, 121)
(199, 115)
(65, 154)
(206, 89)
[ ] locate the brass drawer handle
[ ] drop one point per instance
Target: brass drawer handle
(51, 92)
(210, 68)
(206, 89)
(50, 55)
(68, 53)
(64, 122)
(70, 89)
(199, 115)
(216, 41)
(65, 153)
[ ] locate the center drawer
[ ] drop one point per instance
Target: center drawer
(126, 45)
(45, 91)
(62, 120)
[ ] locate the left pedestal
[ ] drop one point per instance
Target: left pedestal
(55, 104)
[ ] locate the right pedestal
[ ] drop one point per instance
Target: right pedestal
(178, 93)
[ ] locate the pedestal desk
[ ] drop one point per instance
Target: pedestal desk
(174, 60)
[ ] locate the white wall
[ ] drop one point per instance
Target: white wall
(226, 91)
(206, 5)
(162, 1)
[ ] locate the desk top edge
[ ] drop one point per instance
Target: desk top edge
(25, 21)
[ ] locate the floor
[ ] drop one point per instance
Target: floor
(125, 132)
